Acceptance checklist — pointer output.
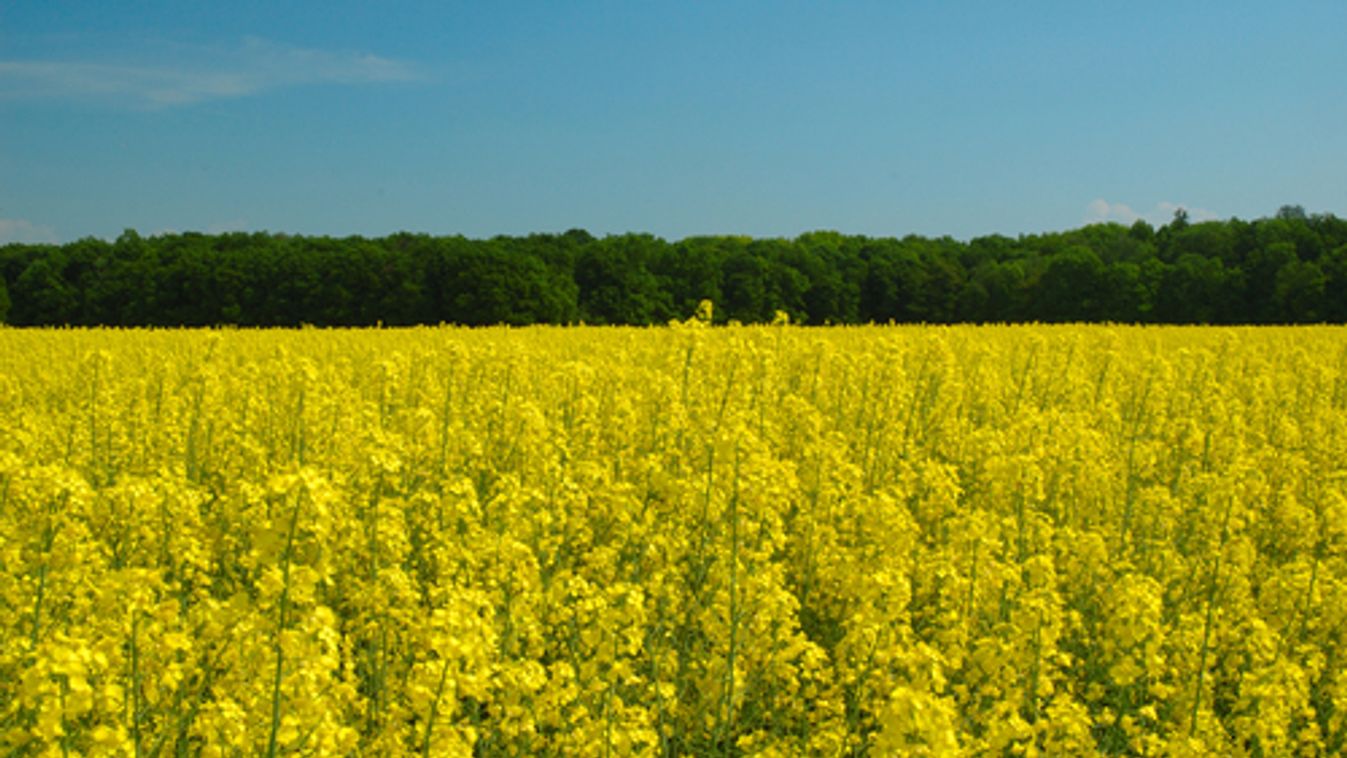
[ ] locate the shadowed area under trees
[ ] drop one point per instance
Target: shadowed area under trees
(1289, 268)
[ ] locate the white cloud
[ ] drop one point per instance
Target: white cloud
(20, 230)
(196, 74)
(1102, 211)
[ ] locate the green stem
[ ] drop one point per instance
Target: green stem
(280, 628)
(728, 718)
(37, 605)
(435, 708)
(135, 682)
(1207, 625)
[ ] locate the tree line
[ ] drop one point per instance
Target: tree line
(1288, 268)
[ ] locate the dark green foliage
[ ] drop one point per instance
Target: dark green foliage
(43, 294)
(615, 283)
(1290, 268)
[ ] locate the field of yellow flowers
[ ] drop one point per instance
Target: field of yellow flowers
(675, 541)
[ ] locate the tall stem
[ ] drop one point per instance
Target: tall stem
(283, 619)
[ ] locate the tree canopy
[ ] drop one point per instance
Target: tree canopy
(1289, 268)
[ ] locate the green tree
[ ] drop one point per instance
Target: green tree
(485, 284)
(616, 285)
(1180, 220)
(1072, 287)
(1335, 285)
(1124, 298)
(834, 273)
(1299, 292)
(1260, 286)
(787, 283)
(689, 271)
(1194, 290)
(1141, 231)
(1290, 267)
(896, 288)
(122, 285)
(745, 287)
(1292, 213)
(42, 296)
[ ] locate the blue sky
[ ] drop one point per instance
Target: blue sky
(674, 118)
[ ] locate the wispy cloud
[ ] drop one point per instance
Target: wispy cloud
(1102, 211)
(20, 230)
(196, 74)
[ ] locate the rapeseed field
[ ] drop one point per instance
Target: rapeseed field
(771, 540)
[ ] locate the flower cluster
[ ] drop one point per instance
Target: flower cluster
(764, 540)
